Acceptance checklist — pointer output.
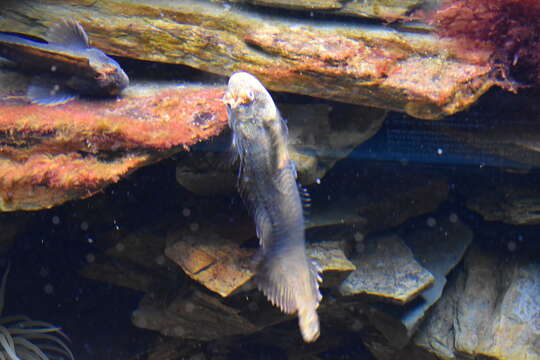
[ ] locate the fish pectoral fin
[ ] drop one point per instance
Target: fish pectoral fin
(272, 280)
(47, 91)
(292, 285)
(68, 33)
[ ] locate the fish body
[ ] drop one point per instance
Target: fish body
(67, 63)
(267, 183)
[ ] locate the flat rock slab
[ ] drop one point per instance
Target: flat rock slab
(219, 264)
(492, 311)
(191, 315)
(438, 246)
(382, 198)
(50, 155)
(511, 204)
(380, 9)
(386, 270)
(360, 64)
(223, 266)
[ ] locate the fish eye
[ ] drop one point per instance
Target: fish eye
(251, 95)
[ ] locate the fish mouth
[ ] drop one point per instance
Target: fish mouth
(113, 80)
(238, 96)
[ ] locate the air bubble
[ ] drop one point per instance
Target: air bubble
(43, 272)
(358, 236)
(90, 258)
(160, 260)
(253, 306)
(48, 289)
(189, 307)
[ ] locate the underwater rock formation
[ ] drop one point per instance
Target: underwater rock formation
(385, 9)
(491, 310)
(387, 270)
(438, 246)
(50, 155)
(517, 205)
(191, 315)
(363, 64)
(319, 136)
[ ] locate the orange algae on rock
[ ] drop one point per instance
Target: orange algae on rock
(49, 155)
(505, 33)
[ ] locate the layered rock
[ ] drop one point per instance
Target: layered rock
(319, 136)
(362, 64)
(50, 155)
(491, 310)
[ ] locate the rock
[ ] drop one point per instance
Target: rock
(438, 246)
(386, 270)
(135, 261)
(190, 315)
(362, 64)
(319, 136)
(376, 198)
(492, 310)
(207, 172)
(217, 263)
(124, 274)
(330, 256)
(54, 154)
(509, 203)
(386, 10)
(300, 4)
(505, 135)
(220, 264)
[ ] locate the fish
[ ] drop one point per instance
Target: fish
(267, 184)
(68, 66)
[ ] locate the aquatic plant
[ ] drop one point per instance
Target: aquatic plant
(503, 32)
(24, 339)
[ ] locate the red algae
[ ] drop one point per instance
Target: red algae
(504, 33)
(49, 155)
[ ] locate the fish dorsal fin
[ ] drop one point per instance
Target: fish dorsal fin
(68, 33)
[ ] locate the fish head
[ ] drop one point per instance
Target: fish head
(110, 77)
(247, 100)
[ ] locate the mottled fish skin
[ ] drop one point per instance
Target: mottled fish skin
(67, 60)
(267, 183)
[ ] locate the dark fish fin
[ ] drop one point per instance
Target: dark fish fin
(68, 33)
(306, 199)
(47, 91)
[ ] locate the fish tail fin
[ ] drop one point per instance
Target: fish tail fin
(291, 282)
